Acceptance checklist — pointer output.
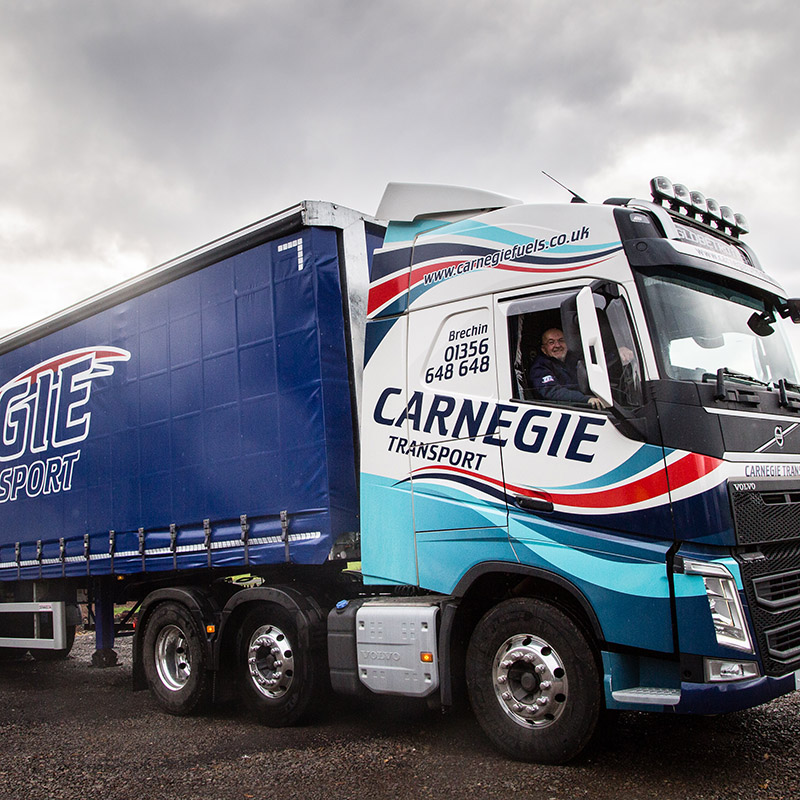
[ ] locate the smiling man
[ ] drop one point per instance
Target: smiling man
(554, 372)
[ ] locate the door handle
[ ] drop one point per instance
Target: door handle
(540, 504)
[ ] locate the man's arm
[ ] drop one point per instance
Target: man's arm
(547, 386)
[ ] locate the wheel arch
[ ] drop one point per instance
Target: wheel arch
(200, 604)
(305, 610)
(487, 584)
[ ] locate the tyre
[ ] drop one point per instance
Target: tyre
(533, 681)
(175, 660)
(278, 681)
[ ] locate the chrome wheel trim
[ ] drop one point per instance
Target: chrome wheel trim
(530, 681)
(270, 661)
(172, 658)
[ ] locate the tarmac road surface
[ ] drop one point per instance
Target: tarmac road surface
(69, 730)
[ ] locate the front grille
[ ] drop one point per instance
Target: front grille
(778, 591)
(767, 523)
(771, 577)
(767, 516)
(784, 642)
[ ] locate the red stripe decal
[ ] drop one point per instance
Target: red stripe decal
(687, 469)
(54, 364)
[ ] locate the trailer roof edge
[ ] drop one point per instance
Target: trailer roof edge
(305, 213)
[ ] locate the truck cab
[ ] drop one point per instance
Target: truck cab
(651, 510)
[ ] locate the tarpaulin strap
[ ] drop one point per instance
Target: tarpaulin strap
(285, 534)
(245, 537)
(173, 544)
(207, 539)
(112, 546)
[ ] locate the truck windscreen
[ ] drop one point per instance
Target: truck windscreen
(703, 322)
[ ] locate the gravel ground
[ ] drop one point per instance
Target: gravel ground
(73, 731)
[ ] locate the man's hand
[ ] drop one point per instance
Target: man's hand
(596, 402)
(626, 355)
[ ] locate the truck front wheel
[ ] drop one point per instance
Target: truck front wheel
(533, 681)
(278, 680)
(175, 660)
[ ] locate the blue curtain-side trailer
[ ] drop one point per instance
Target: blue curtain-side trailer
(194, 423)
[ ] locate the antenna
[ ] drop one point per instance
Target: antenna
(576, 198)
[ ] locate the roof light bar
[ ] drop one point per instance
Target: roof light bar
(697, 206)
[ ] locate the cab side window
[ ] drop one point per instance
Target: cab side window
(619, 344)
(546, 359)
(546, 351)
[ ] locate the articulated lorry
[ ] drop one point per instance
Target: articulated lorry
(349, 411)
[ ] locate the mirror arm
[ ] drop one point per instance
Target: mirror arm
(793, 309)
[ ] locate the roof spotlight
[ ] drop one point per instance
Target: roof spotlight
(697, 206)
(713, 209)
(728, 217)
(698, 202)
(661, 189)
(682, 197)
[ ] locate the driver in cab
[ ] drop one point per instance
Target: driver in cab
(554, 372)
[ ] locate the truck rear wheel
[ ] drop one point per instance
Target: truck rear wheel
(278, 680)
(175, 660)
(533, 681)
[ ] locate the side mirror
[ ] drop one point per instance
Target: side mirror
(793, 304)
(760, 324)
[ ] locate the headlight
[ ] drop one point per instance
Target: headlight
(726, 609)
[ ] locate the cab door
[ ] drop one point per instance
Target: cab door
(455, 440)
(588, 499)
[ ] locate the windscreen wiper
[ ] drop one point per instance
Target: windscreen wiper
(724, 372)
(787, 384)
(741, 396)
(784, 401)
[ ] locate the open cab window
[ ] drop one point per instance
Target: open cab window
(549, 351)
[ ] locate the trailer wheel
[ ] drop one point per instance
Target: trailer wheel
(175, 661)
(278, 680)
(533, 681)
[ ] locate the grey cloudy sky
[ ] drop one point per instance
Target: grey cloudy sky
(135, 131)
